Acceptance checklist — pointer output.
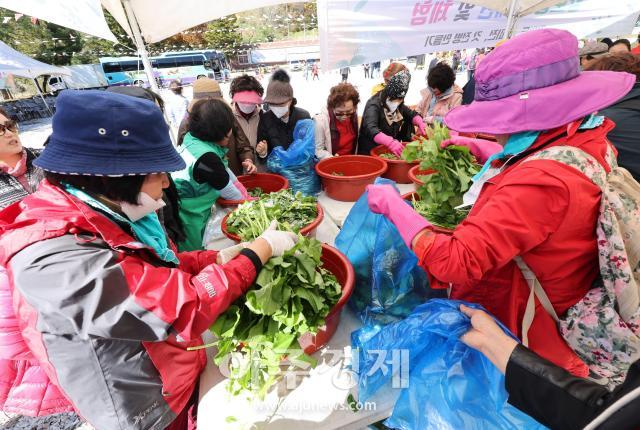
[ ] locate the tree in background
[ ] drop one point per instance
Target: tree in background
(94, 47)
(223, 34)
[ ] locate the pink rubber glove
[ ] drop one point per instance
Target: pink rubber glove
(418, 122)
(388, 141)
(243, 190)
(385, 200)
(480, 148)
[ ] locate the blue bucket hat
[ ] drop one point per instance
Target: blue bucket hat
(97, 133)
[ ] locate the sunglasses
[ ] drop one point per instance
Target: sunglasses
(9, 125)
(343, 114)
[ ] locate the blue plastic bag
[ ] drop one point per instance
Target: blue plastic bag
(450, 386)
(389, 281)
(297, 163)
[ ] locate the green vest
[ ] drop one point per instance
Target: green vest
(195, 199)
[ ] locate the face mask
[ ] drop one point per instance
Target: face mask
(392, 105)
(280, 111)
(146, 227)
(145, 206)
(246, 108)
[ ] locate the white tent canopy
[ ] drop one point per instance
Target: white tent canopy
(161, 19)
(147, 21)
(16, 63)
(157, 19)
(85, 16)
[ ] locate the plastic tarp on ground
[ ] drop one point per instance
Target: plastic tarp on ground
(364, 31)
(16, 63)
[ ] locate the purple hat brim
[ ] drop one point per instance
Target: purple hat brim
(543, 108)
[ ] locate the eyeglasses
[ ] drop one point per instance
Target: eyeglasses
(343, 114)
(9, 125)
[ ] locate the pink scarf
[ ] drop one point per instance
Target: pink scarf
(18, 171)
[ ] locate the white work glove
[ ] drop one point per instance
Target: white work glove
(228, 254)
(279, 241)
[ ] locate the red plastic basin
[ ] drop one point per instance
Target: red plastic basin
(397, 170)
(414, 196)
(415, 171)
(308, 230)
(358, 170)
(335, 262)
(269, 182)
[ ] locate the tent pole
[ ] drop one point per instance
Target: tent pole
(137, 38)
(511, 19)
(42, 97)
(144, 56)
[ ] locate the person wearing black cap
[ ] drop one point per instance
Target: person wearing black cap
(106, 304)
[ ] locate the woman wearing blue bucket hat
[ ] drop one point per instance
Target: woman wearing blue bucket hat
(106, 304)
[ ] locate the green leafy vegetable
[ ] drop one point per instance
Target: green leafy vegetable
(353, 404)
(388, 156)
(256, 192)
(291, 211)
(442, 191)
(440, 218)
(292, 295)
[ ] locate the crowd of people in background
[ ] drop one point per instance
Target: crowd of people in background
(108, 194)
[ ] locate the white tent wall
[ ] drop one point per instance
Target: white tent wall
(353, 33)
(514, 9)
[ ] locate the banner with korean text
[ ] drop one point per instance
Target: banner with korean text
(354, 32)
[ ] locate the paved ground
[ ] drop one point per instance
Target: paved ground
(52, 422)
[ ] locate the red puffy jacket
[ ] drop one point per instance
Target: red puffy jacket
(108, 321)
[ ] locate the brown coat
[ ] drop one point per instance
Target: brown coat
(240, 148)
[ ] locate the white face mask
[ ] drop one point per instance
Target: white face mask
(392, 105)
(145, 206)
(246, 108)
(279, 111)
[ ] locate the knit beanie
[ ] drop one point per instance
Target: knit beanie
(279, 89)
(391, 70)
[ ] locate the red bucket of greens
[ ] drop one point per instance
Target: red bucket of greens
(398, 169)
(258, 184)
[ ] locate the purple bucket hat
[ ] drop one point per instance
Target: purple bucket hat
(533, 82)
